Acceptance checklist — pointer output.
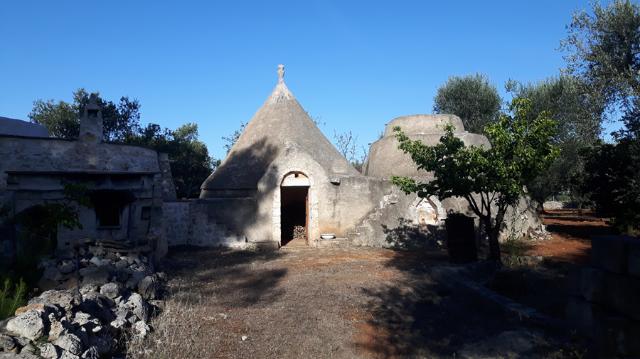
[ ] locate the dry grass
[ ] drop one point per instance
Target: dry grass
(330, 303)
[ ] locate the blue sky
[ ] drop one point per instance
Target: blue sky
(355, 65)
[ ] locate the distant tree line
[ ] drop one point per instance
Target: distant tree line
(190, 159)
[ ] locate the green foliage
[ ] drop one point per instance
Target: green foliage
(604, 51)
(568, 102)
(489, 179)
(37, 231)
(603, 48)
(191, 162)
(472, 98)
(12, 297)
(612, 176)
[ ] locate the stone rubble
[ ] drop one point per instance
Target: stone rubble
(114, 297)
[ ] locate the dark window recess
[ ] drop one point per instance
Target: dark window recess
(145, 213)
(108, 205)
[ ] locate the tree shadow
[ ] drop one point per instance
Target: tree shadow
(408, 235)
(419, 316)
(422, 319)
(232, 194)
(226, 275)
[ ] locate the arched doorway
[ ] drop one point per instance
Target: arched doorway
(294, 209)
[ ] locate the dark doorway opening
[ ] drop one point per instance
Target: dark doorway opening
(108, 205)
(293, 213)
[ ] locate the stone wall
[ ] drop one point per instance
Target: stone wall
(203, 223)
(176, 222)
(605, 302)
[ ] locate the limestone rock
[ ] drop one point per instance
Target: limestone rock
(82, 319)
(94, 275)
(66, 266)
(65, 299)
(88, 288)
(137, 306)
(91, 353)
(69, 355)
(118, 323)
(98, 306)
(29, 325)
(39, 307)
(28, 349)
(149, 287)
(135, 278)
(141, 330)
(6, 343)
(69, 343)
(99, 262)
(56, 327)
(103, 343)
(48, 351)
(110, 290)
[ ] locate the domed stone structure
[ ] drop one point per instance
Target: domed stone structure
(386, 160)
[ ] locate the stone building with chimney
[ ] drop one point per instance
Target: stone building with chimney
(125, 185)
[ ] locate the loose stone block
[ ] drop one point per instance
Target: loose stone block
(28, 325)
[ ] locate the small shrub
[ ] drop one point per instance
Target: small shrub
(12, 297)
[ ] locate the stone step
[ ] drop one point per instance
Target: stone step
(334, 243)
(264, 245)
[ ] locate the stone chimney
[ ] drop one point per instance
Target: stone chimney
(91, 121)
(168, 186)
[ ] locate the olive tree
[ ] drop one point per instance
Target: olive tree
(472, 98)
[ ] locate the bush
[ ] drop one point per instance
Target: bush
(12, 297)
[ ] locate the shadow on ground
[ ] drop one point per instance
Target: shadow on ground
(418, 317)
(196, 268)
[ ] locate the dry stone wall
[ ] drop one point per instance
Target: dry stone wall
(606, 297)
(97, 299)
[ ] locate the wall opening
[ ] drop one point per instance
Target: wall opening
(108, 205)
(294, 209)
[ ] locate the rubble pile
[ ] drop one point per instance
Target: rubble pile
(100, 300)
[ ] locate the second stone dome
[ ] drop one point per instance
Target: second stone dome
(385, 159)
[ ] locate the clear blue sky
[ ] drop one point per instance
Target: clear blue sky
(354, 64)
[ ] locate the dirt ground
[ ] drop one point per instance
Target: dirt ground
(545, 284)
(571, 231)
(328, 303)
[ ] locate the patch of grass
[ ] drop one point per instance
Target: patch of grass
(514, 247)
(12, 297)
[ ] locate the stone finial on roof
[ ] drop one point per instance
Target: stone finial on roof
(91, 121)
(93, 102)
(280, 73)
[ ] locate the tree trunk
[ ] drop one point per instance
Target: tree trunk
(494, 245)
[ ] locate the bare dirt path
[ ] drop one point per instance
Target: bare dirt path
(327, 303)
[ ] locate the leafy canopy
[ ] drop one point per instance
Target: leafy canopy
(603, 48)
(567, 100)
(472, 98)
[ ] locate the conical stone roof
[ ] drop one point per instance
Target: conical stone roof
(279, 124)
